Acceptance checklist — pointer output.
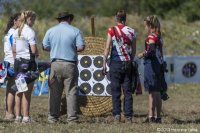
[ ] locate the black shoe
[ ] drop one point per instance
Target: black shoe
(150, 120)
(158, 120)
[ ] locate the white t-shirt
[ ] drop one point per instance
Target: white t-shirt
(8, 41)
(22, 43)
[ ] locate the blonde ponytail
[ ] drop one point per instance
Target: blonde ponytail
(23, 19)
(22, 22)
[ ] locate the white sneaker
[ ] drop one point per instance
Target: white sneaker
(29, 120)
(18, 119)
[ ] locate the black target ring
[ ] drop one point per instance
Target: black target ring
(108, 76)
(98, 76)
(85, 88)
(98, 88)
(86, 61)
(85, 75)
(108, 89)
(98, 62)
(189, 69)
(108, 61)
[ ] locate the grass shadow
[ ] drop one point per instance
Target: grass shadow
(178, 121)
(140, 115)
(197, 121)
(6, 121)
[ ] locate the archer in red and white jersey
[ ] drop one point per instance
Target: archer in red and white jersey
(122, 41)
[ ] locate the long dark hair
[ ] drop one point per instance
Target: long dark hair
(11, 22)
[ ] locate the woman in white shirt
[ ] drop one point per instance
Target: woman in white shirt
(25, 50)
(9, 64)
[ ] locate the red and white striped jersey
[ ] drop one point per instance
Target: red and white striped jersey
(122, 39)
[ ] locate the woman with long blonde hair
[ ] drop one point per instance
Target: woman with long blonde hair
(153, 61)
(25, 51)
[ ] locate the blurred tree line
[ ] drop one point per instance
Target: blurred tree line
(174, 14)
(163, 8)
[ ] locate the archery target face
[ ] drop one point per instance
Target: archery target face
(85, 75)
(98, 61)
(98, 76)
(85, 88)
(85, 61)
(108, 76)
(189, 69)
(98, 88)
(91, 81)
(108, 89)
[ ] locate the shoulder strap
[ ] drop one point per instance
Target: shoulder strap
(120, 34)
(120, 41)
(115, 34)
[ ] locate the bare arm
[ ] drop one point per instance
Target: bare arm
(80, 49)
(107, 49)
(14, 50)
(45, 48)
(36, 52)
(33, 49)
(149, 50)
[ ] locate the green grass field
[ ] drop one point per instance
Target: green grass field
(181, 113)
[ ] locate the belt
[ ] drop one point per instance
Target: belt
(62, 60)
